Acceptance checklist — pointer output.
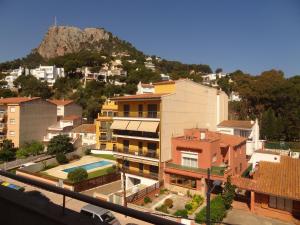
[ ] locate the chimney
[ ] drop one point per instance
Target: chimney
(202, 135)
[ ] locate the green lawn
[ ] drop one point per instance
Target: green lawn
(104, 156)
(101, 172)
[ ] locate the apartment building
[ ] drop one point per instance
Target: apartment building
(104, 138)
(48, 73)
(25, 119)
(66, 108)
(196, 151)
(146, 123)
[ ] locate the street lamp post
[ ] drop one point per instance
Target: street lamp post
(209, 190)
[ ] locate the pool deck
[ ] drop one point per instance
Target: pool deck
(59, 173)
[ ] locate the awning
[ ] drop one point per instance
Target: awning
(148, 126)
(119, 124)
(133, 125)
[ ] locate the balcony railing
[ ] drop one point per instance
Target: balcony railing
(144, 114)
(149, 153)
(214, 169)
(136, 133)
(150, 175)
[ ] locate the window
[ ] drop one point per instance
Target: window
(153, 169)
(189, 159)
(281, 203)
(140, 108)
(184, 181)
(140, 148)
(214, 158)
(12, 121)
(103, 146)
(126, 110)
(126, 146)
(141, 167)
(11, 133)
(12, 109)
(236, 170)
(152, 111)
(110, 113)
(126, 164)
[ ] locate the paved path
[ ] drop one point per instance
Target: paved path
(241, 217)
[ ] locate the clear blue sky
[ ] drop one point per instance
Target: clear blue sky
(249, 35)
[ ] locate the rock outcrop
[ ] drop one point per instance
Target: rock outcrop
(61, 40)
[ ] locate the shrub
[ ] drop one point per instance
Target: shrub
(147, 200)
(163, 208)
(228, 193)
(181, 213)
(162, 191)
(87, 152)
(61, 158)
(188, 206)
(77, 175)
(169, 203)
(217, 211)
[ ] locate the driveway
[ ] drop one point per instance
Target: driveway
(237, 216)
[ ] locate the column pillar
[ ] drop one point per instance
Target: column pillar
(252, 201)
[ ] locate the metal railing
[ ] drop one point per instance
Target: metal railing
(149, 153)
(144, 114)
(214, 169)
(147, 217)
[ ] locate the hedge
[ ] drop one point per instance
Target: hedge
(217, 211)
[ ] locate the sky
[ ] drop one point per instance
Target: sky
(253, 36)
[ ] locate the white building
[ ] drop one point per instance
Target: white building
(13, 75)
(164, 77)
(263, 156)
(243, 128)
(145, 88)
(87, 133)
(48, 73)
(212, 77)
(149, 64)
(234, 96)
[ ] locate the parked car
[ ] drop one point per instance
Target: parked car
(99, 214)
(27, 164)
(12, 186)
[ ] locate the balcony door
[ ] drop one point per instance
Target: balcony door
(126, 110)
(152, 110)
(151, 149)
(140, 108)
(126, 146)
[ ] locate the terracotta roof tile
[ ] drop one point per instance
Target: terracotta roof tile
(247, 124)
(85, 128)
(71, 117)
(60, 101)
(139, 96)
(17, 100)
(280, 179)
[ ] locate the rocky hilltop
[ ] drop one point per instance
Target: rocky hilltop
(61, 40)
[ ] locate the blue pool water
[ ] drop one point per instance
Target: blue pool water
(89, 166)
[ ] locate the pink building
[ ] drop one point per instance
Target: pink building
(200, 149)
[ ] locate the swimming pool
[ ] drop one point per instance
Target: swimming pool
(89, 166)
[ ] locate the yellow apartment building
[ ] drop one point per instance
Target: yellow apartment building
(25, 119)
(146, 122)
(104, 138)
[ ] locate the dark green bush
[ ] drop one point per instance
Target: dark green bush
(217, 211)
(169, 203)
(147, 200)
(61, 158)
(163, 208)
(87, 152)
(77, 175)
(188, 206)
(181, 213)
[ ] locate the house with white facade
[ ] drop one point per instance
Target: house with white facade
(149, 64)
(48, 73)
(244, 128)
(144, 88)
(212, 77)
(87, 133)
(13, 75)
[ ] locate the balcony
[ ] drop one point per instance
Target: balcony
(137, 135)
(144, 114)
(149, 153)
(2, 127)
(2, 138)
(3, 114)
(215, 170)
(141, 173)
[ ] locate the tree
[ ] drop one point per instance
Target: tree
(61, 158)
(219, 70)
(31, 148)
(228, 193)
(59, 144)
(7, 152)
(78, 175)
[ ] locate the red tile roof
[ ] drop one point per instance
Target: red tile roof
(85, 128)
(139, 96)
(60, 102)
(147, 85)
(17, 100)
(71, 117)
(279, 179)
(246, 124)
